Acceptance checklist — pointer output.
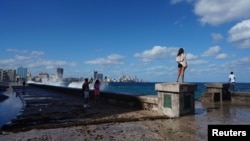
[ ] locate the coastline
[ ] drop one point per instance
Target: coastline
(107, 122)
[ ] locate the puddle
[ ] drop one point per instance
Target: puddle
(10, 108)
(38, 98)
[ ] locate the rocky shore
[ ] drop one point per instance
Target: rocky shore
(55, 116)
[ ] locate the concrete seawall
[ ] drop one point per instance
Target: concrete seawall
(220, 92)
(240, 98)
(149, 102)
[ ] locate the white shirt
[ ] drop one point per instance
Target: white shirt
(183, 60)
(231, 78)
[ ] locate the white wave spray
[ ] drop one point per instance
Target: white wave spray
(77, 85)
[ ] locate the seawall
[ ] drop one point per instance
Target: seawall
(240, 98)
(221, 92)
(149, 102)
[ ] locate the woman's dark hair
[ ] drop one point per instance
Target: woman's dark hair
(181, 50)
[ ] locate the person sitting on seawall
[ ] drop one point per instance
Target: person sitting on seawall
(232, 81)
(182, 64)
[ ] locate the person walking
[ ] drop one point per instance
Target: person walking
(232, 81)
(97, 91)
(24, 84)
(182, 64)
(86, 91)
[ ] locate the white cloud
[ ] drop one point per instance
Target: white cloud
(240, 34)
(191, 56)
(157, 52)
(19, 57)
(221, 56)
(215, 51)
(6, 62)
(216, 12)
(37, 53)
(212, 51)
(216, 37)
(178, 1)
(113, 59)
(175, 1)
(47, 63)
(16, 50)
(31, 59)
(238, 65)
(195, 60)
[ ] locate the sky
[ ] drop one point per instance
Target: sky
(138, 38)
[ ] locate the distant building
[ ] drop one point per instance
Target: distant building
(11, 74)
(22, 73)
(59, 74)
(100, 76)
(95, 74)
(52, 77)
(43, 76)
(29, 76)
(7, 75)
(1, 75)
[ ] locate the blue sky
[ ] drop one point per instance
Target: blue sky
(127, 37)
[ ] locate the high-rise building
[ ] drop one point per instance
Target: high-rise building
(59, 74)
(22, 73)
(100, 76)
(1, 75)
(95, 75)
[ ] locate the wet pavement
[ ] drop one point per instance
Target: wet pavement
(55, 116)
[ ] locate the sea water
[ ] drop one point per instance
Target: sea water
(144, 88)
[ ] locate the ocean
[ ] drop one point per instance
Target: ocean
(148, 88)
(132, 88)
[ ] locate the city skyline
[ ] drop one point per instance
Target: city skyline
(22, 74)
(127, 37)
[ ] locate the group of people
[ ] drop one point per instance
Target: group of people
(86, 91)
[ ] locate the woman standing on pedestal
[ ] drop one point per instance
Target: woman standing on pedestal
(182, 64)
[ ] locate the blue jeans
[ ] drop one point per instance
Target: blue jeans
(232, 86)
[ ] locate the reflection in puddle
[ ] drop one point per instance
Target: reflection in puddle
(37, 98)
(39, 105)
(10, 108)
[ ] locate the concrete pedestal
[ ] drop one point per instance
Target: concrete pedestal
(216, 92)
(176, 99)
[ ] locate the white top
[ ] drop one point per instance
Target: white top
(183, 60)
(231, 78)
